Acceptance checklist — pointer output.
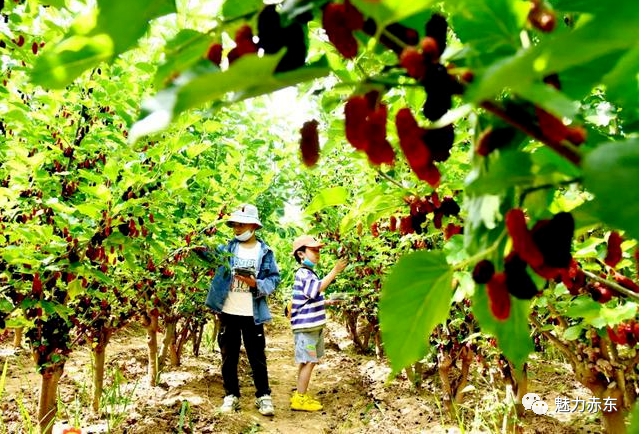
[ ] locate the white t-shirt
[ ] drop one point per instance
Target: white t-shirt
(239, 300)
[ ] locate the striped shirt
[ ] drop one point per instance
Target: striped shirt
(308, 303)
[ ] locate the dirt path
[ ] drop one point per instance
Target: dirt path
(337, 382)
(354, 390)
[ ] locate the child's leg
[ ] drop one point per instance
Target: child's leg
(229, 344)
(304, 375)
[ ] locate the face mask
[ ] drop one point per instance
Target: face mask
(245, 235)
(306, 262)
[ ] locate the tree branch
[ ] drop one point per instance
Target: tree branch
(557, 342)
(390, 179)
(612, 285)
(545, 187)
(566, 151)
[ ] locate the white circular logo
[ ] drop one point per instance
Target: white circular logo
(539, 407)
(529, 399)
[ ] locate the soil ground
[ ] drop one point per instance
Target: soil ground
(355, 390)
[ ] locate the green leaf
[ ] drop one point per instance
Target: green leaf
(57, 68)
(550, 99)
(180, 176)
(573, 333)
(112, 29)
(128, 20)
(513, 334)
(101, 191)
(489, 28)
(578, 81)
(249, 76)
(611, 173)
(598, 314)
(620, 89)
(5, 304)
(455, 250)
(583, 307)
(185, 49)
(385, 12)
(596, 37)
(58, 4)
(550, 162)
(374, 203)
(197, 148)
(328, 197)
(234, 9)
(248, 70)
(74, 288)
(91, 209)
(415, 298)
(616, 315)
(589, 6)
(511, 168)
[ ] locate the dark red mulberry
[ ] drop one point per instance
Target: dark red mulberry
(483, 272)
(309, 143)
(436, 28)
(615, 254)
(519, 282)
(499, 297)
(554, 239)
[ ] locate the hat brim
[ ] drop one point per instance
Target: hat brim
(314, 245)
(244, 220)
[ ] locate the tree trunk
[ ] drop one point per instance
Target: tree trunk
(198, 338)
(352, 328)
(152, 353)
(48, 391)
(215, 334)
(445, 363)
(613, 421)
(521, 390)
(168, 341)
(179, 342)
(98, 375)
(466, 355)
(17, 337)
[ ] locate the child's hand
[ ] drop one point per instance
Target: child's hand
(340, 265)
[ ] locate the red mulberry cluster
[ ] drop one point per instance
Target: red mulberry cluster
(340, 20)
(365, 127)
(626, 333)
(615, 254)
(309, 143)
(272, 37)
(421, 207)
(422, 147)
(545, 248)
(493, 138)
(244, 45)
(422, 63)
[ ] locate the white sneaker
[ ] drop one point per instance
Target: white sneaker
(265, 406)
(230, 403)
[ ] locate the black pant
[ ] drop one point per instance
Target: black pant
(231, 328)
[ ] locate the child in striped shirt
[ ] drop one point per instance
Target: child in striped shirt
(308, 316)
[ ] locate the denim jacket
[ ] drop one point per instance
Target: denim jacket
(267, 280)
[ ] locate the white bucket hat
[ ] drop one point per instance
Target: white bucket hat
(245, 214)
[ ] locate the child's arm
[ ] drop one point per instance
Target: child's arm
(329, 278)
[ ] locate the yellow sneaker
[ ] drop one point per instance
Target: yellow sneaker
(304, 403)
